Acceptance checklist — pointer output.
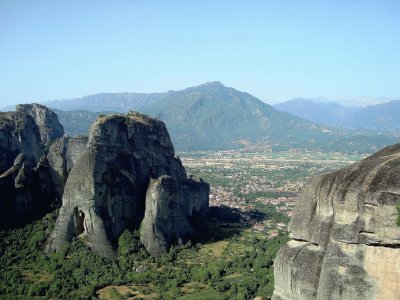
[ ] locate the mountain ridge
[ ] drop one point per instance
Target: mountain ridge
(328, 113)
(378, 117)
(212, 116)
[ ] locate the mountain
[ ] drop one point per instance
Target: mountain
(379, 117)
(332, 114)
(383, 116)
(118, 102)
(213, 116)
(77, 122)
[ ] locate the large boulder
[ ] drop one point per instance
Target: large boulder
(345, 243)
(106, 189)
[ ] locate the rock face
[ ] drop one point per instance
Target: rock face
(167, 208)
(106, 189)
(24, 169)
(345, 243)
(62, 156)
(18, 134)
(46, 120)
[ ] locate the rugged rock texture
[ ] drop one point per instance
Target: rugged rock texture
(24, 168)
(106, 189)
(46, 120)
(345, 241)
(18, 134)
(167, 208)
(62, 156)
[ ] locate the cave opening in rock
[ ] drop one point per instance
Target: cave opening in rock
(79, 221)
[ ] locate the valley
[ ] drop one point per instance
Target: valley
(252, 195)
(250, 180)
(190, 150)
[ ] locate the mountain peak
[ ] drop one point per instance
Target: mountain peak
(211, 85)
(214, 83)
(208, 87)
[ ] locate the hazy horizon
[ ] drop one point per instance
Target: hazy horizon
(342, 51)
(355, 101)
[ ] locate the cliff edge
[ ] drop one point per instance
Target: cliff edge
(345, 243)
(105, 191)
(25, 136)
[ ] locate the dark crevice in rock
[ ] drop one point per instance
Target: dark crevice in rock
(79, 221)
(301, 240)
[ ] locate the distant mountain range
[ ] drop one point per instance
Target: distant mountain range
(213, 116)
(117, 102)
(383, 116)
(332, 114)
(77, 122)
(380, 117)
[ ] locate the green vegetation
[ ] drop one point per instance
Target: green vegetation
(398, 214)
(78, 122)
(224, 263)
(212, 116)
(271, 213)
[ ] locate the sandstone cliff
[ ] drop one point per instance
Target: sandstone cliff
(345, 243)
(106, 188)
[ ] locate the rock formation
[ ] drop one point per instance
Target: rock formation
(62, 156)
(106, 189)
(46, 120)
(345, 243)
(168, 203)
(25, 135)
(18, 134)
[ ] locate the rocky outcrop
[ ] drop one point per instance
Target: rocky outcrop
(168, 203)
(106, 189)
(24, 168)
(46, 120)
(18, 134)
(62, 156)
(345, 243)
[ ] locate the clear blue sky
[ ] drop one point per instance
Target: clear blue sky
(275, 50)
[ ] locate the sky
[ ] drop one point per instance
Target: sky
(274, 50)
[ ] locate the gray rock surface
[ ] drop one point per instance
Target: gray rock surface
(106, 188)
(167, 208)
(62, 156)
(18, 134)
(46, 120)
(25, 135)
(345, 243)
